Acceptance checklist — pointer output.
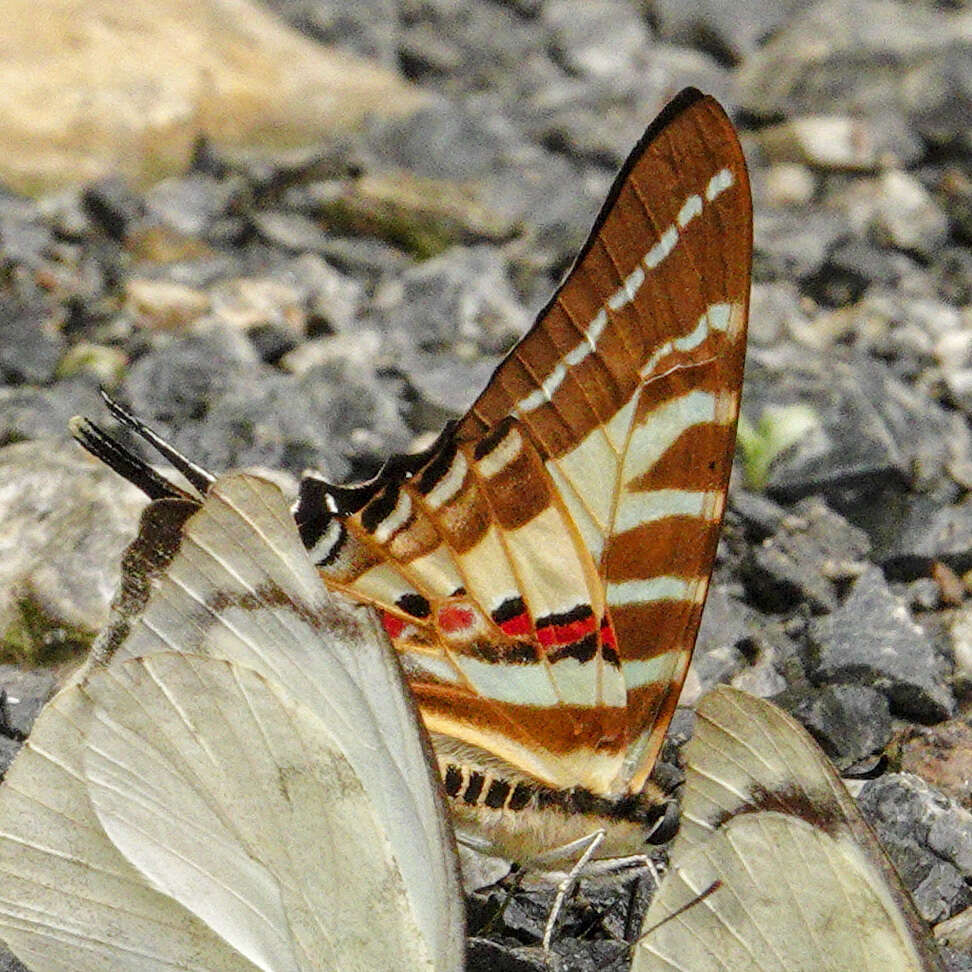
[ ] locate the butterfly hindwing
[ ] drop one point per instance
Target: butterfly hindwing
(803, 884)
(71, 902)
(238, 803)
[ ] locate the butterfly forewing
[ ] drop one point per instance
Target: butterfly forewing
(629, 385)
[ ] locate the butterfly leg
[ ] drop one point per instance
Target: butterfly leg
(593, 842)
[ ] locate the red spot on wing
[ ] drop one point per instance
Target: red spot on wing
(454, 618)
(566, 634)
(519, 625)
(392, 625)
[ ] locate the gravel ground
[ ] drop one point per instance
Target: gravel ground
(340, 304)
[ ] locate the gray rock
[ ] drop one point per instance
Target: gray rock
(113, 205)
(950, 836)
(193, 203)
(854, 53)
(289, 230)
(717, 658)
(29, 413)
(485, 955)
(25, 236)
(937, 96)
(368, 257)
(446, 140)
(905, 812)
(176, 382)
(907, 216)
(201, 271)
(851, 722)
(26, 692)
(59, 560)
(774, 312)
(775, 665)
(734, 29)
(843, 143)
(600, 119)
(790, 245)
(870, 435)
(941, 892)
(952, 270)
(445, 385)
(851, 268)
(8, 750)
(760, 516)
(871, 640)
(812, 549)
(337, 418)
(596, 38)
(924, 594)
(30, 341)
(927, 531)
(472, 47)
(368, 28)
(555, 197)
(9, 963)
(462, 297)
(425, 53)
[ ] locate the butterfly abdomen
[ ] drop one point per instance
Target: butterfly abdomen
(525, 821)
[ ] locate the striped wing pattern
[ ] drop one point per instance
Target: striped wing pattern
(542, 569)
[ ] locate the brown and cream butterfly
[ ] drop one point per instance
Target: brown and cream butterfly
(542, 568)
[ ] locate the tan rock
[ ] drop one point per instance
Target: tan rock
(95, 86)
(941, 755)
(163, 304)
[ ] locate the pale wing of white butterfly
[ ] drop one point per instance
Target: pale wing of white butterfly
(237, 780)
(774, 868)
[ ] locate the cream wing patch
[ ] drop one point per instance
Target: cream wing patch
(820, 906)
(235, 848)
(70, 901)
(773, 867)
(185, 769)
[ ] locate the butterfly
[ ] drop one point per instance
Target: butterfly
(774, 867)
(541, 569)
(237, 779)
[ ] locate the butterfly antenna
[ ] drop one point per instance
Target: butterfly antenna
(195, 474)
(698, 899)
(123, 461)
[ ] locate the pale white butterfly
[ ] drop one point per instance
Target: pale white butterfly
(237, 778)
(774, 868)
